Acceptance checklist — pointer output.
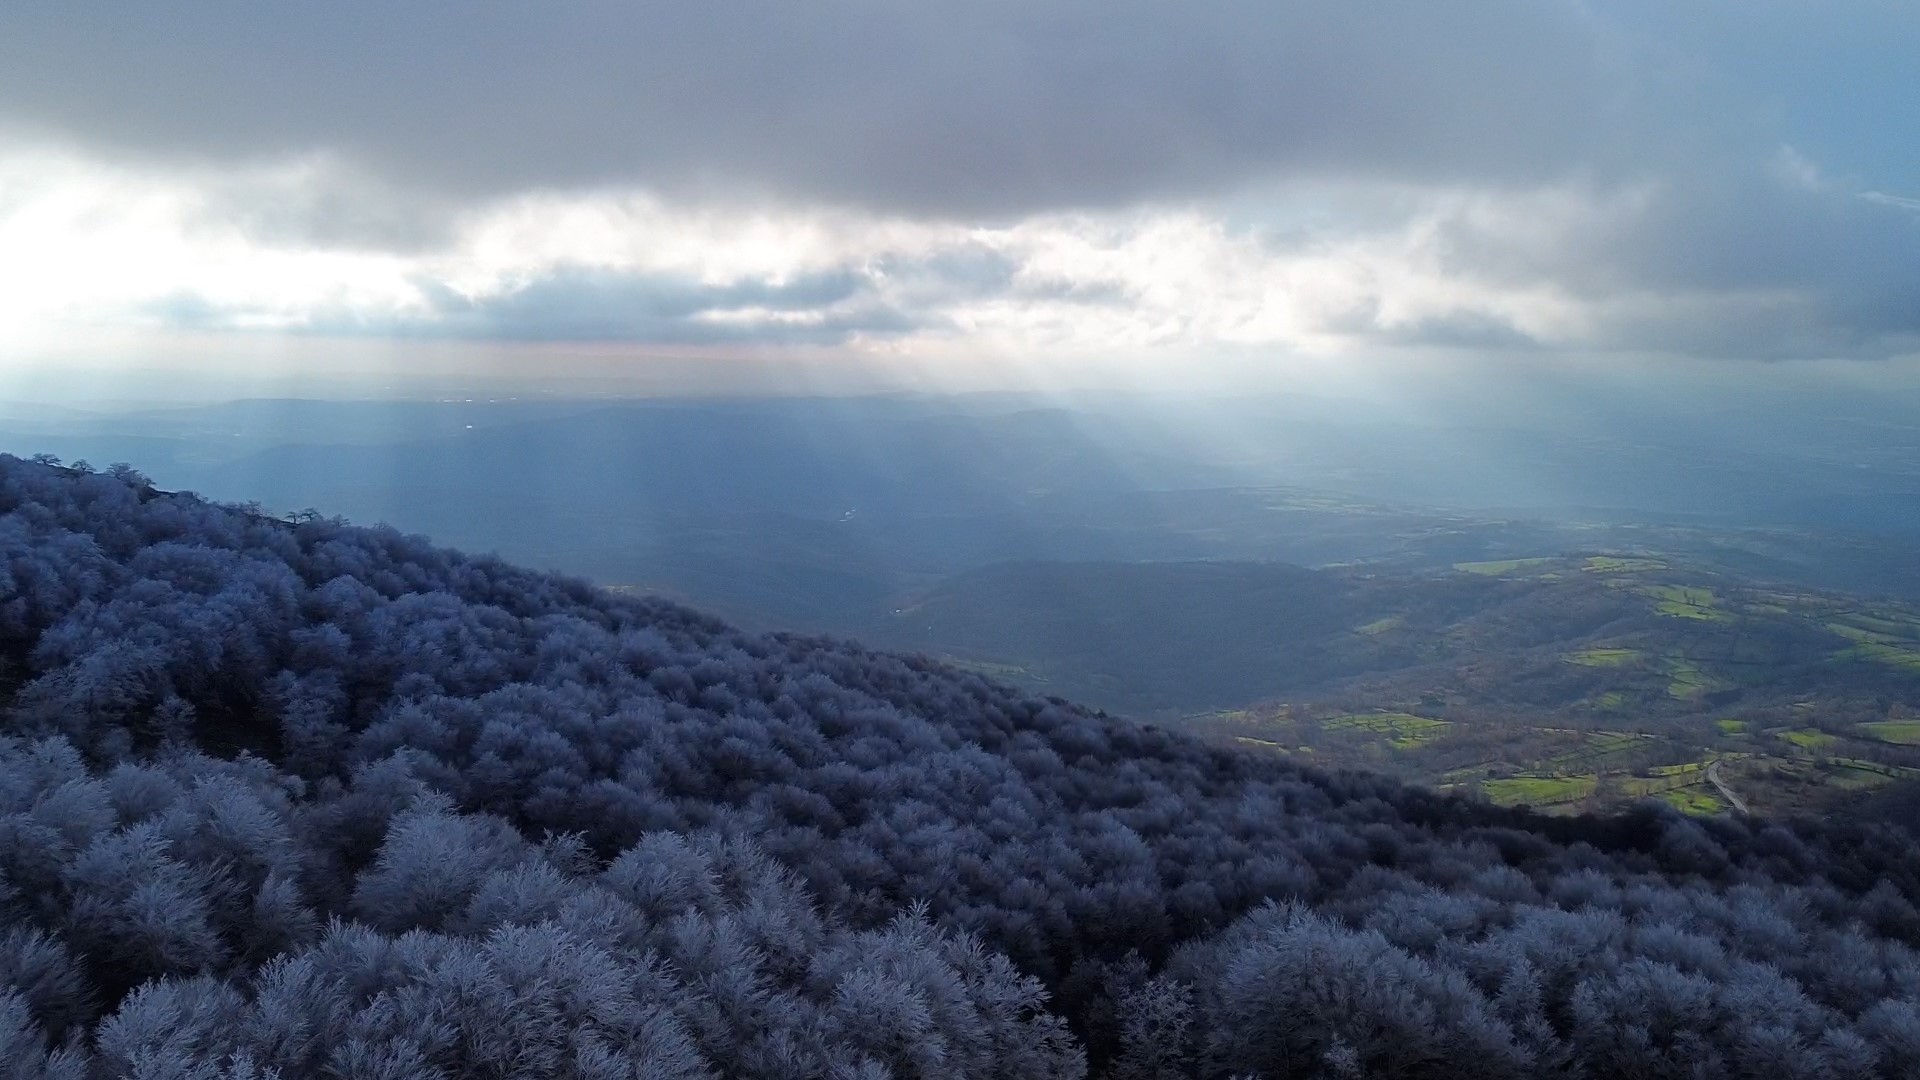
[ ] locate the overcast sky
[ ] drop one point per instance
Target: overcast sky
(921, 183)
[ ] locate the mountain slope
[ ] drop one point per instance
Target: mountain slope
(309, 798)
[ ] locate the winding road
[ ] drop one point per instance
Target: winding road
(1713, 777)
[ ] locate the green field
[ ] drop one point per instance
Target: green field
(1855, 778)
(1612, 564)
(1688, 681)
(1729, 726)
(1894, 628)
(1381, 626)
(991, 669)
(1899, 732)
(1500, 566)
(1595, 747)
(1810, 739)
(1538, 790)
(1404, 731)
(1686, 602)
(1603, 657)
(1693, 800)
(1893, 656)
(1855, 633)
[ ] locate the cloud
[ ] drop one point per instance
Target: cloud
(991, 108)
(1884, 199)
(1051, 175)
(569, 304)
(1563, 268)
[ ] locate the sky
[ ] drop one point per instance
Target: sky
(951, 195)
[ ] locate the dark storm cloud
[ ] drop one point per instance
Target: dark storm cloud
(1723, 230)
(997, 107)
(1721, 262)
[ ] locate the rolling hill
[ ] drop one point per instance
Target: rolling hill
(1508, 669)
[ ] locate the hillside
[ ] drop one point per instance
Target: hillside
(1587, 680)
(1604, 679)
(1594, 681)
(296, 798)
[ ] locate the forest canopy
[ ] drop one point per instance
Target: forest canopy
(296, 798)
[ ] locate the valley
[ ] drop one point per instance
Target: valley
(1609, 640)
(1569, 684)
(1585, 683)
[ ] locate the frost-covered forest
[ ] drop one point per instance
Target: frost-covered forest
(295, 798)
